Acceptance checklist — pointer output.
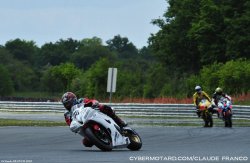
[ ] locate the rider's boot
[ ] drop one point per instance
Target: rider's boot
(111, 113)
(119, 121)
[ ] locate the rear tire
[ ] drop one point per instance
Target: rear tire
(210, 119)
(98, 142)
(228, 119)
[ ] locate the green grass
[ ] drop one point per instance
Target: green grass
(217, 122)
(15, 122)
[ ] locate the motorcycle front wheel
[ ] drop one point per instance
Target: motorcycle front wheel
(207, 118)
(135, 141)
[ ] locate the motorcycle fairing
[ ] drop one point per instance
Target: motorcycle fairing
(88, 114)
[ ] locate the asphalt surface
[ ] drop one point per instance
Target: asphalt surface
(44, 116)
(160, 144)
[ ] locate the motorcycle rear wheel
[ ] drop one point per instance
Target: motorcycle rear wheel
(228, 120)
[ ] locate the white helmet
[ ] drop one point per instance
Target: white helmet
(198, 89)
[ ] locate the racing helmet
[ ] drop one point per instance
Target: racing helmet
(218, 90)
(68, 99)
(198, 89)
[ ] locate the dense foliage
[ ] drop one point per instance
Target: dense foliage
(196, 34)
(205, 42)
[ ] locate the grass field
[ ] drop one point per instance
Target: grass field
(42, 123)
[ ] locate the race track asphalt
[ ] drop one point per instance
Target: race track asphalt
(160, 144)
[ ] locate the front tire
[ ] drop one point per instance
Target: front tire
(135, 141)
(207, 118)
(104, 145)
(210, 119)
(228, 119)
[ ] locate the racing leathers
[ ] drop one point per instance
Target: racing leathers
(216, 98)
(197, 97)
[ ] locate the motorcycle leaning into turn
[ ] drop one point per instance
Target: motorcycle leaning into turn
(102, 130)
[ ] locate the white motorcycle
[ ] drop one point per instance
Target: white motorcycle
(102, 130)
(225, 111)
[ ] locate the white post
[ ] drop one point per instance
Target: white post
(111, 84)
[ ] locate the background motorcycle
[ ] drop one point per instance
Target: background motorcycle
(103, 132)
(204, 107)
(225, 111)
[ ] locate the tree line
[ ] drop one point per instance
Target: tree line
(72, 65)
(200, 42)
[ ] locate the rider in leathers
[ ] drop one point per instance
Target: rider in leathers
(217, 96)
(69, 99)
(198, 96)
